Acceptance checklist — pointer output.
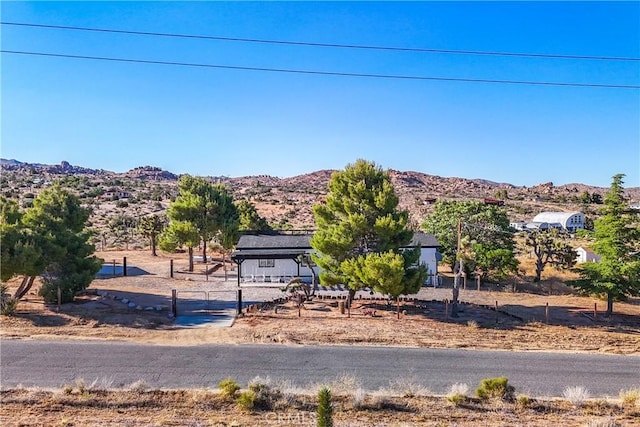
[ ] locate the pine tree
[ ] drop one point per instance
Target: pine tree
(207, 207)
(325, 410)
(358, 222)
(617, 241)
(57, 223)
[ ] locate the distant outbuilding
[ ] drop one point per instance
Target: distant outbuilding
(570, 221)
(585, 255)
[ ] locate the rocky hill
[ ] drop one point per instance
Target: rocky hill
(285, 202)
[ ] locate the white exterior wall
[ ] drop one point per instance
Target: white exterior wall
(568, 220)
(574, 222)
(428, 257)
(250, 270)
(586, 256)
(283, 268)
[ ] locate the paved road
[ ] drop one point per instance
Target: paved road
(55, 363)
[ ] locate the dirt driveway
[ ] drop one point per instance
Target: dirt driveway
(521, 323)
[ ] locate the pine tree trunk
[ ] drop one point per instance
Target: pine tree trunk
(190, 259)
(25, 285)
(204, 251)
(351, 297)
(153, 246)
(609, 305)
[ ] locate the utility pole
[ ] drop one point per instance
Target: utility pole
(456, 277)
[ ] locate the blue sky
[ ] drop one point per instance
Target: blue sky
(205, 121)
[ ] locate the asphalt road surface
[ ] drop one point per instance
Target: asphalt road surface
(56, 363)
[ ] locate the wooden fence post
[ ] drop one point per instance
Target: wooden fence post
(239, 308)
(174, 302)
(114, 268)
(446, 309)
(171, 268)
(478, 282)
(497, 312)
(124, 266)
(546, 312)
(595, 310)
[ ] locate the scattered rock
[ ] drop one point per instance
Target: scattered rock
(125, 301)
(132, 304)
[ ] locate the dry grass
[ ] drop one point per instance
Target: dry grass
(23, 407)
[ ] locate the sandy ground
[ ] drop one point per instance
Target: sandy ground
(521, 324)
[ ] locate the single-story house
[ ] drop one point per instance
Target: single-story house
(585, 255)
(273, 257)
(570, 221)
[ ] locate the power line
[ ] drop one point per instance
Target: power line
(323, 73)
(330, 45)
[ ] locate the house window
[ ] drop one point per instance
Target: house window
(266, 263)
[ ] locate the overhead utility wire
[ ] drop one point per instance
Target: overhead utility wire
(323, 73)
(333, 45)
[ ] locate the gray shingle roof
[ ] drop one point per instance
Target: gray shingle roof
(274, 241)
(425, 240)
(301, 241)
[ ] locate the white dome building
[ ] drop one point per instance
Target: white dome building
(570, 221)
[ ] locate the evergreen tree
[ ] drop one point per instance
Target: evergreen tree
(151, 226)
(57, 223)
(250, 219)
(206, 206)
(19, 253)
(617, 241)
(325, 410)
(177, 234)
(358, 223)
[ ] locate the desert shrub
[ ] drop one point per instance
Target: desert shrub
(8, 304)
(139, 386)
(122, 204)
(457, 394)
(104, 383)
(630, 398)
(67, 389)
(246, 400)
(265, 394)
(577, 395)
(80, 385)
(325, 410)
(456, 399)
(459, 388)
(359, 397)
(405, 387)
(228, 388)
(344, 384)
(524, 401)
(497, 388)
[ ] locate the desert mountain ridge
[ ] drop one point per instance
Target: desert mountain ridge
(324, 175)
(288, 202)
